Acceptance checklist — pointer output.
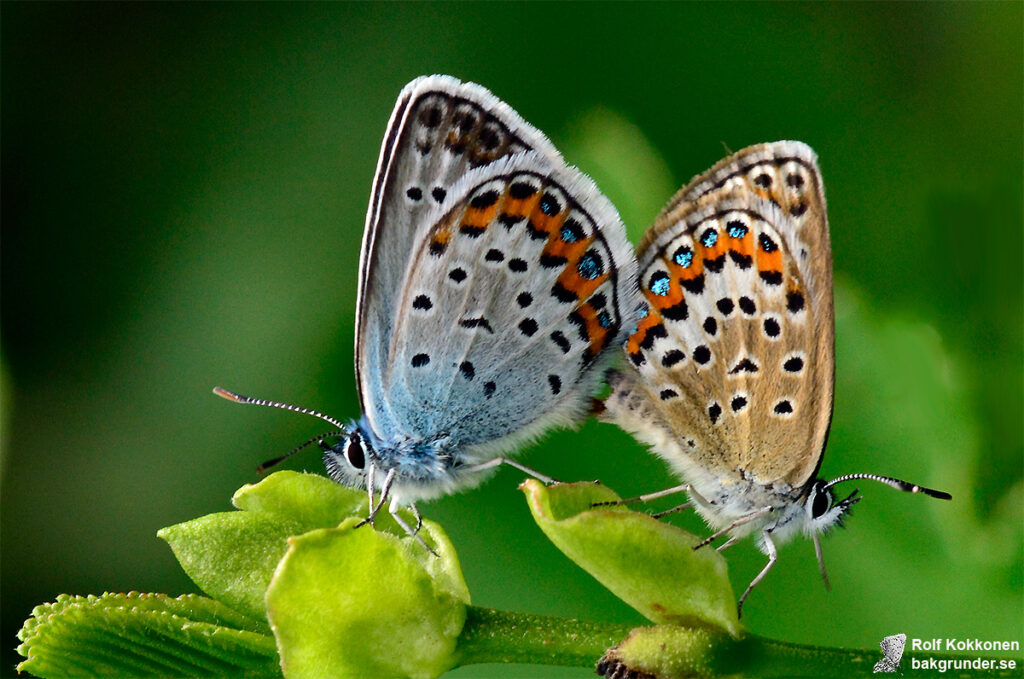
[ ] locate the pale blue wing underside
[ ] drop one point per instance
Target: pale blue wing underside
(439, 130)
(509, 309)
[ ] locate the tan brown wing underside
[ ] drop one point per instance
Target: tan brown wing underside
(736, 352)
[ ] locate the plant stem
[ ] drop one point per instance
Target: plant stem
(491, 636)
(664, 651)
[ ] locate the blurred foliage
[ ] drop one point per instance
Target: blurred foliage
(183, 197)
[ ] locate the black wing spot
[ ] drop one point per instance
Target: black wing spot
(553, 261)
(666, 394)
(562, 294)
(489, 389)
(795, 180)
(744, 366)
(793, 365)
(676, 312)
(484, 200)
(528, 327)
(556, 383)
(711, 326)
(414, 193)
(524, 299)
(517, 265)
(438, 194)
(725, 306)
(430, 116)
(467, 370)
(477, 323)
(458, 275)
(714, 412)
(521, 190)
(422, 302)
(763, 180)
(508, 221)
(495, 255)
(549, 205)
(671, 357)
(653, 333)
(798, 209)
(702, 355)
(783, 408)
(747, 306)
(561, 340)
(794, 302)
(738, 403)
(772, 328)
(420, 360)
(637, 358)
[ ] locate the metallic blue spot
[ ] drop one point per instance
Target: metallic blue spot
(659, 284)
(737, 231)
(642, 312)
(709, 238)
(605, 319)
(684, 257)
(569, 235)
(590, 265)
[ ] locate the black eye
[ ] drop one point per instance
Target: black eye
(354, 453)
(822, 502)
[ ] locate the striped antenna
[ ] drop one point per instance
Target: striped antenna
(316, 439)
(238, 398)
(892, 483)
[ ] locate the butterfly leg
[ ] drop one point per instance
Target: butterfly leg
(419, 519)
(490, 464)
(385, 489)
(746, 518)
(773, 556)
(646, 497)
(394, 509)
(728, 543)
(673, 510)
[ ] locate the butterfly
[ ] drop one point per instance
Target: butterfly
(892, 653)
(493, 283)
(731, 367)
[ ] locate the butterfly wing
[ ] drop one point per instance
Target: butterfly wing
(440, 129)
(734, 360)
(510, 307)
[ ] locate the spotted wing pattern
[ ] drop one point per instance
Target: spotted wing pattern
(733, 362)
(439, 130)
(509, 306)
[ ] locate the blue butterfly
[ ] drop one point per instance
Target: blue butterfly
(493, 284)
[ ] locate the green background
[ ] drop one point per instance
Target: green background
(184, 189)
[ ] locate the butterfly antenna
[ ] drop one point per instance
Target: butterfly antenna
(238, 398)
(316, 439)
(892, 483)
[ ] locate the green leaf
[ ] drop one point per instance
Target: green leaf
(365, 603)
(231, 556)
(310, 500)
(650, 565)
(144, 635)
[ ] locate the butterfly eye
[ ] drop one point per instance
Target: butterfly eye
(822, 503)
(354, 453)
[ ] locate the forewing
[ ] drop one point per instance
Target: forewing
(735, 354)
(439, 130)
(511, 306)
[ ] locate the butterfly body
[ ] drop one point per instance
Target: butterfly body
(731, 367)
